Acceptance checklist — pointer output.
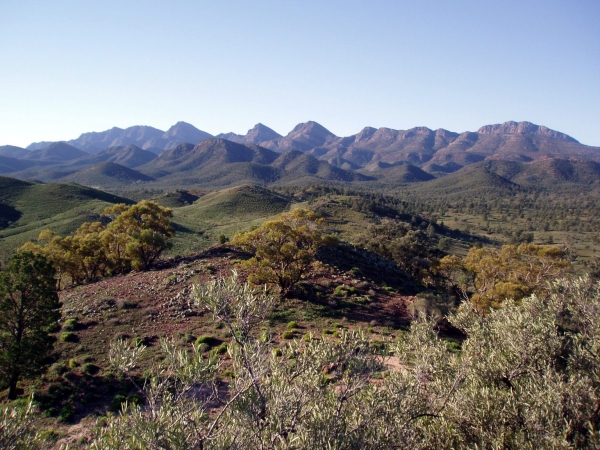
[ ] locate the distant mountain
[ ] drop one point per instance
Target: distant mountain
(39, 145)
(129, 156)
(300, 163)
(549, 173)
(8, 164)
(421, 146)
(397, 173)
(260, 133)
(529, 128)
(56, 153)
(141, 136)
(220, 162)
(472, 180)
(382, 153)
(209, 153)
(106, 174)
(304, 137)
(181, 132)
(184, 132)
(115, 137)
(13, 152)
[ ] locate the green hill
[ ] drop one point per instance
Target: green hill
(27, 208)
(106, 175)
(399, 173)
(471, 181)
(227, 212)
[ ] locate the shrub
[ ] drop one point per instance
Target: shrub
(70, 324)
(288, 334)
(66, 414)
(68, 336)
(292, 325)
(220, 350)
(90, 368)
(58, 368)
(207, 340)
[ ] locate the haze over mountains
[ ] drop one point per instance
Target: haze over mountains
(309, 152)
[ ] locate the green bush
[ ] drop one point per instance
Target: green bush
(220, 350)
(119, 399)
(206, 339)
(70, 325)
(66, 414)
(90, 368)
(292, 325)
(288, 334)
(68, 336)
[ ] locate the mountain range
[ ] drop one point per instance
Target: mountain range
(309, 152)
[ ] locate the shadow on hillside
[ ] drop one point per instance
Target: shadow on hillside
(368, 266)
(8, 214)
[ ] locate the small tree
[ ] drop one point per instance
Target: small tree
(284, 249)
(148, 226)
(491, 276)
(29, 307)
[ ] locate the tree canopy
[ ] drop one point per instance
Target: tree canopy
(29, 307)
(283, 249)
(134, 237)
(490, 276)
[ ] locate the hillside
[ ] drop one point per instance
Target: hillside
(472, 180)
(9, 164)
(397, 173)
(227, 212)
(129, 156)
(28, 208)
(56, 153)
(13, 151)
(549, 173)
(208, 154)
(107, 175)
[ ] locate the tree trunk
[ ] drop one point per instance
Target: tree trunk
(12, 387)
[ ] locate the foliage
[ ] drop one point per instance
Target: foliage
(284, 249)
(538, 389)
(170, 408)
(29, 307)
(492, 276)
(134, 237)
(18, 428)
(148, 226)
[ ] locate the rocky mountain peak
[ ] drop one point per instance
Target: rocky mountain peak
(311, 127)
(512, 127)
(365, 134)
(261, 133)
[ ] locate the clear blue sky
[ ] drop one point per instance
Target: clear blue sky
(68, 67)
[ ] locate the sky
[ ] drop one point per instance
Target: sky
(69, 67)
